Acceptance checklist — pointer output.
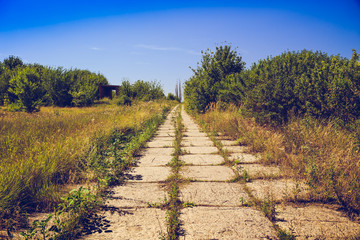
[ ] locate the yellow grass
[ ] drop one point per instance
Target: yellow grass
(321, 153)
(41, 151)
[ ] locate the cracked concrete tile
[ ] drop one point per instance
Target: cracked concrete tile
(198, 159)
(207, 173)
(225, 223)
(316, 222)
(213, 193)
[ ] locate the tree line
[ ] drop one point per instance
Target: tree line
(140, 90)
(274, 89)
(29, 86)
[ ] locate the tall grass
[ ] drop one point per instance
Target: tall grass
(41, 152)
(322, 153)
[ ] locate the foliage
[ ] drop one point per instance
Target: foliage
(124, 100)
(304, 83)
(58, 84)
(140, 90)
(319, 152)
(147, 91)
(29, 85)
(275, 89)
(217, 75)
(41, 152)
(26, 85)
(172, 97)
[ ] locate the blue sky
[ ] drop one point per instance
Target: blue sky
(159, 40)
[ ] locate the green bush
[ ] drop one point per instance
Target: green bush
(304, 83)
(26, 85)
(218, 74)
(124, 100)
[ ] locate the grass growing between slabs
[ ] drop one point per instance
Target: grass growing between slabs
(323, 153)
(174, 204)
(43, 152)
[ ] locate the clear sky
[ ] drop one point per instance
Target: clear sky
(159, 40)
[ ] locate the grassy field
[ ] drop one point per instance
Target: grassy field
(43, 152)
(322, 153)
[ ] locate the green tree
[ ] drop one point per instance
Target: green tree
(26, 85)
(13, 62)
(212, 77)
(57, 84)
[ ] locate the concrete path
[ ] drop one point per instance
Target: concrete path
(127, 211)
(218, 208)
(218, 211)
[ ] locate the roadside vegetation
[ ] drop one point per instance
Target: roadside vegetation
(47, 153)
(299, 110)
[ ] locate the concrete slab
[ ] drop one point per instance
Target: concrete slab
(158, 138)
(261, 171)
(165, 131)
(207, 173)
(281, 189)
(136, 195)
(165, 134)
(148, 174)
(229, 143)
(235, 149)
(153, 160)
(195, 139)
(160, 144)
(158, 151)
(213, 193)
(225, 223)
(316, 222)
(243, 157)
(197, 143)
(200, 150)
(194, 134)
(199, 159)
(135, 223)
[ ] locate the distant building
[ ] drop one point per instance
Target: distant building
(107, 90)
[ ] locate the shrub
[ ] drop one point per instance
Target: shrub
(211, 80)
(26, 85)
(124, 100)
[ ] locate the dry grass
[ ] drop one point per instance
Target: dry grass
(41, 152)
(322, 153)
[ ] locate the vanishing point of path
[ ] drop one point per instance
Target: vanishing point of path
(218, 208)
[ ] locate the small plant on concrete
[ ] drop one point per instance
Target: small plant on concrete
(283, 234)
(268, 208)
